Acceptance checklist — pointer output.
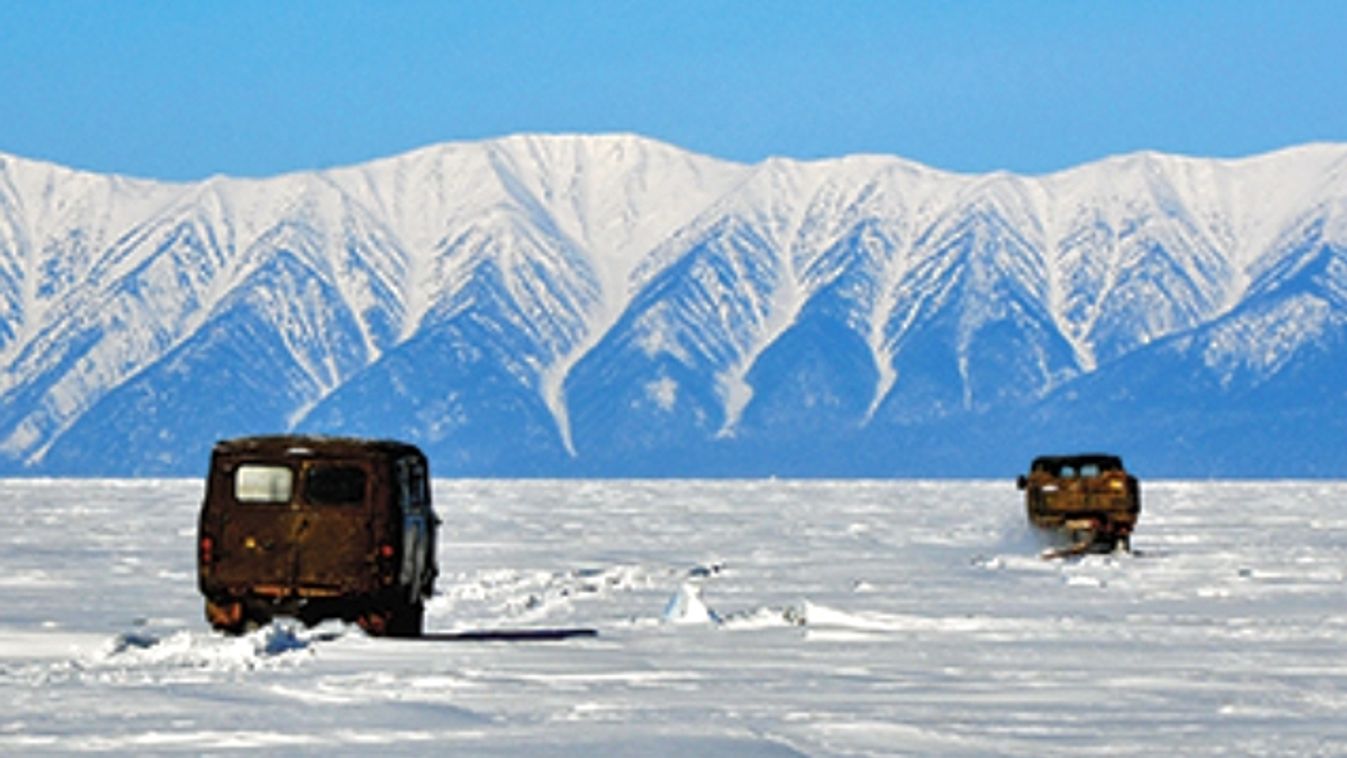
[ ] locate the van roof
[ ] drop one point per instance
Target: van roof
(1054, 463)
(282, 445)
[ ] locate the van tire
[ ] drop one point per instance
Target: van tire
(406, 620)
(228, 617)
(400, 620)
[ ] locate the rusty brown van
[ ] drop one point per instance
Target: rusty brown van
(317, 528)
(1090, 498)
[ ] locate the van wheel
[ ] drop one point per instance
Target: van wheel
(402, 620)
(227, 617)
(407, 620)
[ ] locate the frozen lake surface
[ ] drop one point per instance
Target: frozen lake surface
(734, 618)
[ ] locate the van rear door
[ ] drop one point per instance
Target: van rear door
(298, 530)
(334, 537)
(257, 515)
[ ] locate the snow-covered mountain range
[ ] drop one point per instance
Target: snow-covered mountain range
(612, 305)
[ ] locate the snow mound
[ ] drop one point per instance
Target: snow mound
(687, 607)
(271, 645)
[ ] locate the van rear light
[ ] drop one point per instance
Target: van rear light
(207, 550)
(384, 565)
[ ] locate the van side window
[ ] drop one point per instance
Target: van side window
(404, 484)
(420, 487)
(412, 485)
(334, 485)
(263, 484)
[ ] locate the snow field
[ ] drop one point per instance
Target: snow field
(734, 618)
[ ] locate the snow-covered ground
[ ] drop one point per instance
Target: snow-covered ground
(736, 618)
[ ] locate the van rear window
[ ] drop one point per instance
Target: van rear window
(263, 484)
(334, 485)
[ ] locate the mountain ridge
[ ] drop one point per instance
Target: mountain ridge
(622, 306)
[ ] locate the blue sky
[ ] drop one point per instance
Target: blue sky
(182, 90)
